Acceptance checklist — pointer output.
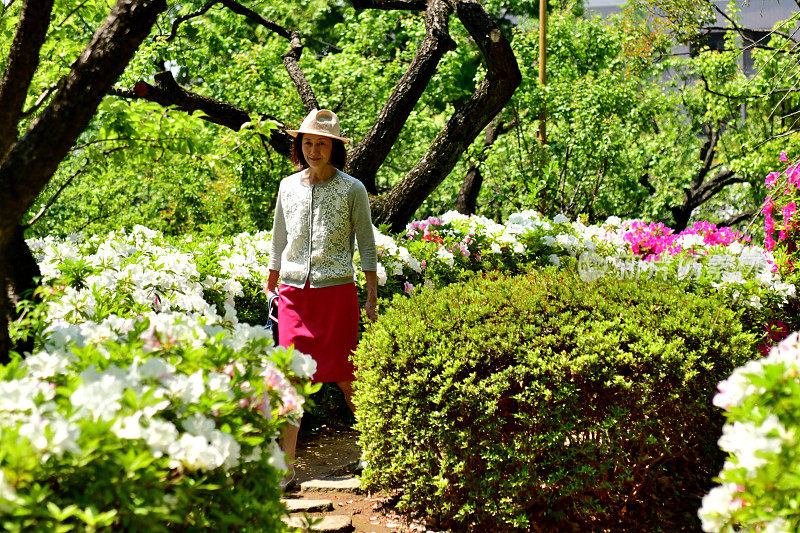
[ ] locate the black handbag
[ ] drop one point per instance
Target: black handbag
(272, 317)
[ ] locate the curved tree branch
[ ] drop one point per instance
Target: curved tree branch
(741, 217)
(23, 59)
(744, 33)
(502, 78)
(371, 152)
(237, 8)
(291, 60)
(183, 18)
(167, 92)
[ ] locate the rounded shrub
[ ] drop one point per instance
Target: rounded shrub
(542, 402)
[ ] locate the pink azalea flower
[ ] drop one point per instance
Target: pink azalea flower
(769, 224)
(769, 245)
(788, 212)
(767, 207)
(771, 179)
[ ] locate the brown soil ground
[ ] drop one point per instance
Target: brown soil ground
(335, 452)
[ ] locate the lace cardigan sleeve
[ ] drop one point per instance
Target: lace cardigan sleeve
(279, 238)
(362, 222)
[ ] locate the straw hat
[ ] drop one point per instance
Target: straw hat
(321, 122)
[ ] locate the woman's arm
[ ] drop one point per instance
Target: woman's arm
(272, 282)
(277, 244)
(371, 307)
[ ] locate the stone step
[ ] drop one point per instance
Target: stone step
(347, 484)
(328, 524)
(307, 506)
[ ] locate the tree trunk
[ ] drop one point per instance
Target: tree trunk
(23, 58)
(397, 207)
(5, 341)
(22, 275)
(371, 152)
(31, 162)
(467, 198)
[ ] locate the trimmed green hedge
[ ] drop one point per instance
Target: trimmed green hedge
(542, 402)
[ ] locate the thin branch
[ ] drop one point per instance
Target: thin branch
(745, 34)
(145, 140)
(39, 101)
(66, 18)
(183, 18)
(741, 217)
(166, 92)
(784, 97)
(55, 196)
(237, 8)
(776, 137)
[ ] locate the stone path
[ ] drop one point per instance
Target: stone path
(311, 511)
(328, 497)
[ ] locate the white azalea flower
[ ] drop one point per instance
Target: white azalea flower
(303, 365)
(7, 492)
(715, 511)
(128, 427)
(277, 458)
(99, 398)
(159, 435)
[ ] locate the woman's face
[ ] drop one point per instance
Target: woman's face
(317, 150)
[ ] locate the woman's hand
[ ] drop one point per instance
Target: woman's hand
(272, 283)
(371, 308)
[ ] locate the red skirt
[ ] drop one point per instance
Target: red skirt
(322, 323)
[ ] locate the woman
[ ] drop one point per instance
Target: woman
(320, 213)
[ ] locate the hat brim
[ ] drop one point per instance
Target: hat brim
(294, 133)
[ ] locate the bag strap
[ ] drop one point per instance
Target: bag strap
(272, 305)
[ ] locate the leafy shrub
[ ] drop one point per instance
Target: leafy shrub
(760, 489)
(519, 403)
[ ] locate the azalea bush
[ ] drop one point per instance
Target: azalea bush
(542, 401)
(759, 488)
(783, 235)
(442, 250)
(129, 436)
(145, 404)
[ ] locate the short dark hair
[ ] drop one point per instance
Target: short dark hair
(338, 153)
